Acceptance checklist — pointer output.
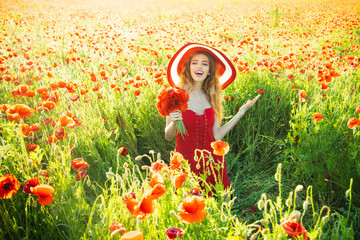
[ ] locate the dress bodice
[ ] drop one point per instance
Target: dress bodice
(199, 130)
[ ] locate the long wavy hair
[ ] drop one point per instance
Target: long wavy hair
(211, 85)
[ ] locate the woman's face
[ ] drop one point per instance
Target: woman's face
(199, 67)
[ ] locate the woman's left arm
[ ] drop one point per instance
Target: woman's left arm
(220, 131)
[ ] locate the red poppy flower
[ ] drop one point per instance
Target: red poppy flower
(145, 207)
(48, 105)
(42, 90)
(22, 91)
(65, 121)
(176, 160)
(35, 127)
(61, 84)
(131, 203)
(156, 178)
(157, 191)
(317, 116)
(324, 87)
(157, 166)
(179, 180)
(60, 134)
(192, 209)
(302, 95)
(116, 226)
(9, 185)
(29, 130)
(122, 151)
(43, 191)
(173, 233)
(52, 139)
(4, 107)
(75, 97)
(17, 112)
(32, 147)
(133, 235)
(294, 229)
(33, 182)
(220, 148)
(353, 123)
(291, 76)
(253, 208)
(358, 109)
(261, 91)
(79, 164)
(81, 175)
(195, 191)
(170, 99)
(49, 121)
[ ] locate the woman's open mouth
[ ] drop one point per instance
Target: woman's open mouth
(199, 73)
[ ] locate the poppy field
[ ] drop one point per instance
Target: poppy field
(82, 147)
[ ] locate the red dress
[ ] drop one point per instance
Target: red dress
(199, 129)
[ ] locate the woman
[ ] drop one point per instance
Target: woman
(203, 72)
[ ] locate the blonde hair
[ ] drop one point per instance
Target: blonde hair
(211, 85)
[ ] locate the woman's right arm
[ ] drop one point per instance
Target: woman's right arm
(170, 129)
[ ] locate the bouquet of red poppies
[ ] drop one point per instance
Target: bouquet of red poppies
(170, 99)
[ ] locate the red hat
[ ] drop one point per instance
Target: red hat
(225, 69)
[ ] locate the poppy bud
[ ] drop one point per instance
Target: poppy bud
(231, 203)
(174, 233)
(295, 215)
(117, 231)
(254, 236)
(299, 188)
(347, 193)
(264, 221)
(110, 175)
(138, 158)
(325, 219)
(288, 202)
(126, 165)
(261, 204)
(305, 205)
(277, 177)
(197, 166)
(223, 218)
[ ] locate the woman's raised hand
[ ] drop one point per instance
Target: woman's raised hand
(249, 104)
(175, 115)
